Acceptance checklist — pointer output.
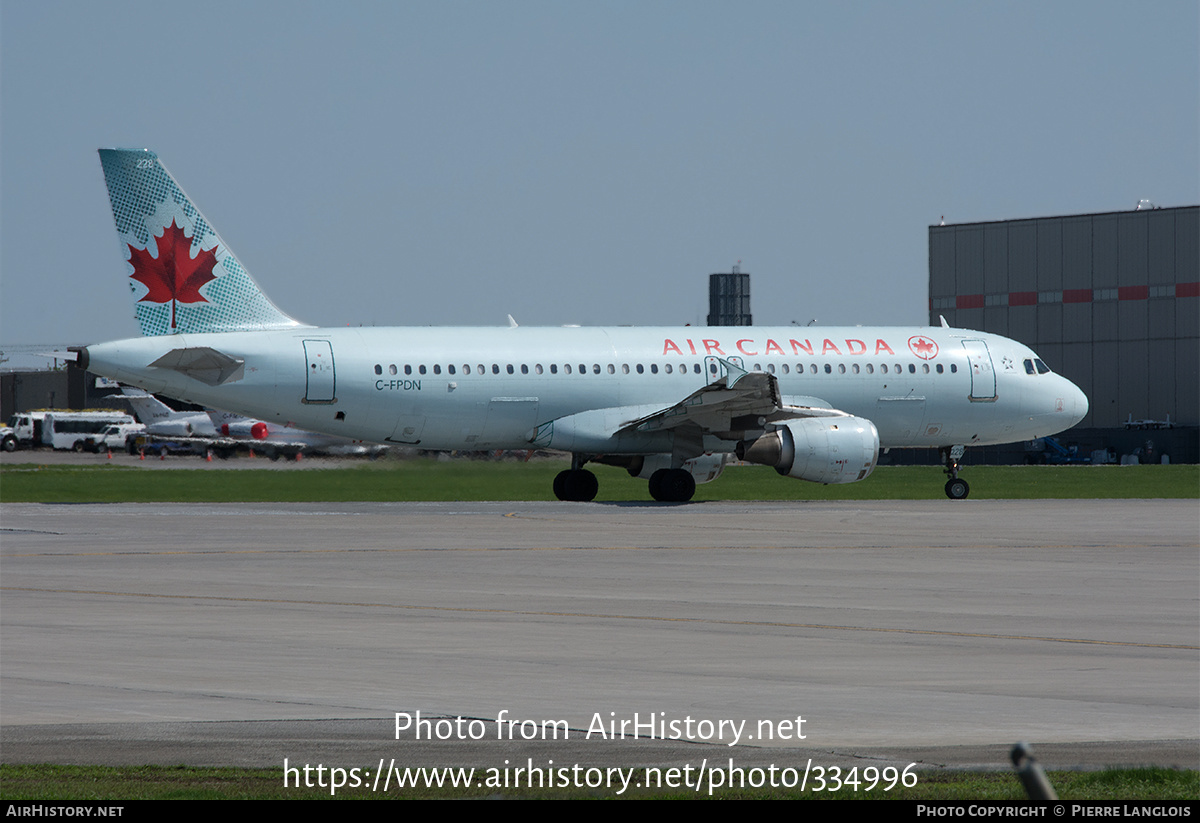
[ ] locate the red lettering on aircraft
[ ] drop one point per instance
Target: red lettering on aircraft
(828, 346)
(711, 346)
(692, 346)
(880, 346)
(850, 345)
(773, 346)
(669, 346)
(797, 346)
(742, 349)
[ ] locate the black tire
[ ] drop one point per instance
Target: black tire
(10, 444)
(672, 486)
(957, 489)
(78, 447)
(578, 485)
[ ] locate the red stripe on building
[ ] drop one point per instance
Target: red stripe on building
(1022, 298)
(1077, 295)
(968, 301)
(1188, 289)
(1133, 292)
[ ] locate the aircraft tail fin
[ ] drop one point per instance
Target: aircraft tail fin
(183, 277)
(148, 408)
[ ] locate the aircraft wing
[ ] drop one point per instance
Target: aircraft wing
(725, 405)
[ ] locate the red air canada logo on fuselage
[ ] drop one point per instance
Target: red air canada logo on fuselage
(754, 347)
(923, 347)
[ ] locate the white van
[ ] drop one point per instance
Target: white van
(79, 430)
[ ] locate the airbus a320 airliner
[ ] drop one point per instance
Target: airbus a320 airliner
(668, 404)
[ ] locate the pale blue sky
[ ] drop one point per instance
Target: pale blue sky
(567, 162)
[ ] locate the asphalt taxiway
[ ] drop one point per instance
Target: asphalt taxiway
(934, 631)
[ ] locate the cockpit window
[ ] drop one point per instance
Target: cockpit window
(1029, 369)
(1042, 368)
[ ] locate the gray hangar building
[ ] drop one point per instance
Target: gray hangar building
(1111, 301)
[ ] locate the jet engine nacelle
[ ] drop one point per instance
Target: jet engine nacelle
(820, 449)
(704, 469)
(254, 429)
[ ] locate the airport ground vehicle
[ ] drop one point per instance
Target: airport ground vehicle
(76, 430)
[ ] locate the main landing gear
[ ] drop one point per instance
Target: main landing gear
(672, 485)
(576, 483)
(666, 485)
(956, 487)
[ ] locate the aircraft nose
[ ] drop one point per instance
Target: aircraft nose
(1078, 402)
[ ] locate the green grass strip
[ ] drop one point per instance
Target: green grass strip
(463, 480)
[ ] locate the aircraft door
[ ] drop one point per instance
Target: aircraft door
(320, 383)
(983, 375)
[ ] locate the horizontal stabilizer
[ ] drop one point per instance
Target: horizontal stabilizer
(205, 364)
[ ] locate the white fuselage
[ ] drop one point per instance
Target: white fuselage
(476, 388)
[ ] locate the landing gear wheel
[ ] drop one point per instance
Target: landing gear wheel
(579, 485)
(672, 486)
(957, 489)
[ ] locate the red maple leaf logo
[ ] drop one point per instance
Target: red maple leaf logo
(923, 348)
(174, 275)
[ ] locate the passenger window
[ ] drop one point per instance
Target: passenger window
(595, 368)
(554, 368)
(912, 368)
(940, 368)
(437, 369)
(925, 368)
(450, 369)
(392, 369)
(583, 368)
(654, 368)
(856, 368)
(567, 368)
(524, 369)
(640, 368)
(784, 368)
(828, 369)
(667, 368)
(953, 368)
(408, 369)
(841, 368)
(495, 368)
(624, 368)
(883, 369)
(870, 368)
(421, 369)
(509, 368)
(538, 368)
(378, 369)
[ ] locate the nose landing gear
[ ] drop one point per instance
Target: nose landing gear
(956, 488)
